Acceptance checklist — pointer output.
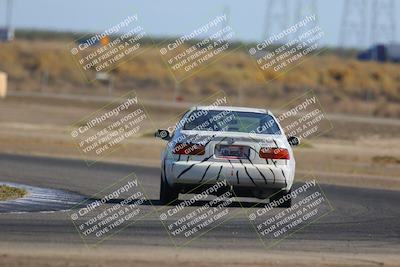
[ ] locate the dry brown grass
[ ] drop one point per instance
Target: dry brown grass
(385, 160)
(8, 192)
(342, 84)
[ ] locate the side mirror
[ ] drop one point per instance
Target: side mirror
(163, 134)
(293, 140)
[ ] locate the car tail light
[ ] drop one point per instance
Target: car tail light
(274, 153)
(189, 149)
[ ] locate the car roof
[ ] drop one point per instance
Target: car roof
(231, 108)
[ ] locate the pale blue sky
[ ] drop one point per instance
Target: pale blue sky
(160, 17)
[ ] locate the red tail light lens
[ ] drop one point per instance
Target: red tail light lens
(274, 153)
(188, 149)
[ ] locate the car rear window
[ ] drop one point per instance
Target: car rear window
(231, 121)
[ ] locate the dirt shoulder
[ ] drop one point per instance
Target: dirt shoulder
(355, 152)
(162, 256)
(333, 162)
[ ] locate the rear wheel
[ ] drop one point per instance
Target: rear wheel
(285, 195)
(168, 194)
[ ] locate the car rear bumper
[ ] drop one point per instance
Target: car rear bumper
(236, 174)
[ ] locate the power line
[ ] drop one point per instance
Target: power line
(304, 8)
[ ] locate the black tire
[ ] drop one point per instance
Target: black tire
(168, 195)
(281, 194)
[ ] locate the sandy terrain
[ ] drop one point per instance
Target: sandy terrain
(353, 153)
(145, 256)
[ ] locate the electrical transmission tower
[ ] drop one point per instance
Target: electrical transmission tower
(227, 12)
(383, 23)
(276, 18)
(6, 31)
(306, 8)
(7, 5)
(354, 26)
(9, 13)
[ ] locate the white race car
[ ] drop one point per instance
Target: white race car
(244, 146)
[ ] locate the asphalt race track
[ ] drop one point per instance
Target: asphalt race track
(363, 220)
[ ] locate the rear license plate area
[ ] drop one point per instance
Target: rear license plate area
(232, 151)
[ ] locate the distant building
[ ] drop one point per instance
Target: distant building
(381, 53)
